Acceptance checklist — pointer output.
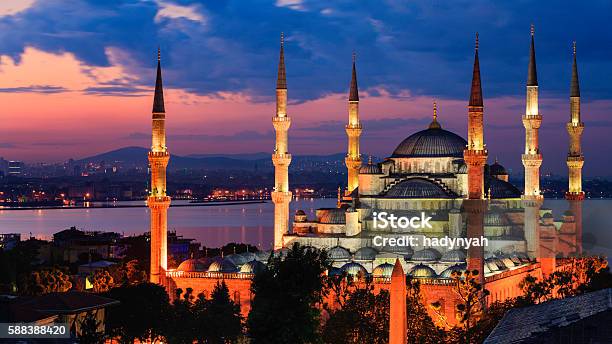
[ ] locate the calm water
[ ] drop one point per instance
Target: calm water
(215, 226)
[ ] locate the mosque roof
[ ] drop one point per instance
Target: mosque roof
(496, 169)
(332, 216)
(383, 270)
(457, 256)
(353, 269)
(448, 272)
(223, 265)
(422, 271)
(365, 253)
(501, 189)
(431, 142)
(252, 267)
(192, 265)
(338, 253)
(418, 188)
(426, 255)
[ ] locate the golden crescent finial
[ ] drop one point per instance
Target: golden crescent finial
(477, 43)
(574, 47)
(532, 29)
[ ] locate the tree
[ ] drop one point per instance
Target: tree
(421, 328)
(284, 309)
(363, 317)
(218, 320)
(89, 330)
(102, 281)
(181, 326)
(142, 313)
(47, 281)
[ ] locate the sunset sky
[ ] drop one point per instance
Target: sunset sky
(76, 77)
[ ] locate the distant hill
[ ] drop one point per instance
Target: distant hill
(132, 157)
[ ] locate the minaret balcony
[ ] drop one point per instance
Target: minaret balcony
(281, 159)
(281, 123)
(532, 121)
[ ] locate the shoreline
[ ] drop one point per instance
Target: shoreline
(143, 205)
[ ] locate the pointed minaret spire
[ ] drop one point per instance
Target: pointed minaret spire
(476, 93)
(281, 82)
(434, 123)
(575, 86)
(158, 101)
(532, 76)
(354, 92)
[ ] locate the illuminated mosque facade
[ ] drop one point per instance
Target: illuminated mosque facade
(434, 171)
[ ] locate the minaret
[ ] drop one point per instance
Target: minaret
(398, 325)
(575, 159)
(532, 159)
(157, 201)
(475, 156)
(281, 196)
(353, 131)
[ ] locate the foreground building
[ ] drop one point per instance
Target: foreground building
(433, 171)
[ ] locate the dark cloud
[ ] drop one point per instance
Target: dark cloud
(33, 89)
(118, 91)
(423, 46)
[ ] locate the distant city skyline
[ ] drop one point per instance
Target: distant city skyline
(77, 80)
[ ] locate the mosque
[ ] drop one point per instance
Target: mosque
(433, 171)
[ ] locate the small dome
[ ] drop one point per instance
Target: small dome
(353, 269)
(500, 189)
(453, 256)
(262, 256)
(383, 270)
(496, 169)
(405, 251)
(300, 212)
(236, 259)
(224, 265)
(338, 253)
(252, 267)
(448, 272)
(547, 216)
(432, 142)
(426, 255)
(418, 188)
(331, 216)
(370, 168)
(192, 265)
(422, 271)
(366, 253)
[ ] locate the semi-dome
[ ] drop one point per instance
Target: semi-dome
(338, 253)
(354, 269)
(418, 188)
(426, 255)
(448, 272)
(236, 259)
(332, 216)
(453, 256)
(252, 267)
(223, 265)
(192, 265)
(422, 271)
(431, 142)
(248, 256)
(262, 256)
(383, 270)
(498, 188)
(366, 253)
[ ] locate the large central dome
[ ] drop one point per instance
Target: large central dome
(431, 142)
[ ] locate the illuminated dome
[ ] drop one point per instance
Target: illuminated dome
(432, 142)
(370, 168)
(448, 272)
(365, 253)
(454, 256)
(338, 253)
(353, 269)
(422, 271)
(426, 255)
(418, 188)
(252, 267)
(192, 265)
(223, 265)
(383, 270)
